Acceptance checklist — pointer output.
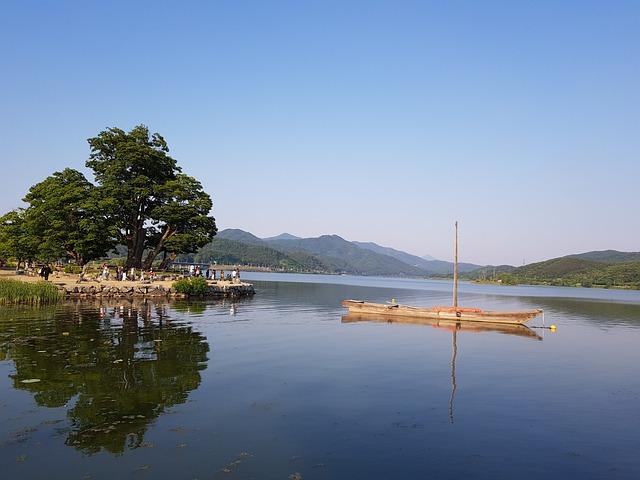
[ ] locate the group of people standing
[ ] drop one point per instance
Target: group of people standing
(122, 275)
(210, 273)
(234, 276)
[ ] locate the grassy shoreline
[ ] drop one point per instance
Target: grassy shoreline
(14, 292)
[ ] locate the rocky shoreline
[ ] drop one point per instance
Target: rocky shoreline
(214, 290)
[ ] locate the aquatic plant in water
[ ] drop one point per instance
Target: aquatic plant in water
(32, 293)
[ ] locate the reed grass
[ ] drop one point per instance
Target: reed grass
(32, 293)
(191, 286)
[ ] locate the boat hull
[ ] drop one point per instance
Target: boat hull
(516, 329)
(459, 314)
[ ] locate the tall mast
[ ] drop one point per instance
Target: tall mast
(455, 270)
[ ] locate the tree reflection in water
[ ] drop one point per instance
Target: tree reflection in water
(116, 365)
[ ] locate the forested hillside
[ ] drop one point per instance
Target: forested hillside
(344, 256)
(232, 252)
(576, 271)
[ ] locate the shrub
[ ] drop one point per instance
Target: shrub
(74, 269)
(182, 286)
(34, 293)
(191, 286)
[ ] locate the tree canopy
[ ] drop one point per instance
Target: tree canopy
(65, 214)
(141, 199)
(152, 204)
(15, 240)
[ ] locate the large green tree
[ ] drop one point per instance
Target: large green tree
(153, 206)
(68, 218)
(15, 239)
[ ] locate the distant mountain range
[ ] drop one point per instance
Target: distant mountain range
(605, 268)
(327, 253)
(334, 254)
(428, 263)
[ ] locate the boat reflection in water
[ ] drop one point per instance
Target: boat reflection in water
(454, 327)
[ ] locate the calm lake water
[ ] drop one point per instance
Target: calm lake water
(279, 385)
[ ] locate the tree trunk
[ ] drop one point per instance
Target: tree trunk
(130, 250)
(137, 235)
(139, 248)
(167, 260)
(77, 258)
(151, 256)
(135, 246)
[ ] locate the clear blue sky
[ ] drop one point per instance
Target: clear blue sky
(381, 121)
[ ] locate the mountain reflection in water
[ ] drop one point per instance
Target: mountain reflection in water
(116, 365)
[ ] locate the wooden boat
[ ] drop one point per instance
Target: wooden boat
(444, 324)
(454, 312)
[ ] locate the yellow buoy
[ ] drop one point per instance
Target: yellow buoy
(553, 327)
